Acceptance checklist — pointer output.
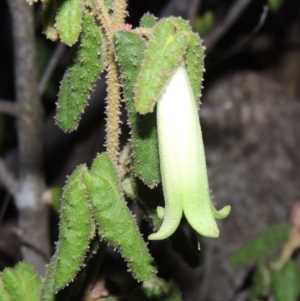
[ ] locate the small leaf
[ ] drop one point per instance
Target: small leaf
(261, 245)
(115, 222)
(20, 283)
(78, 81)
(68, 21)
(49, 12)
(12, 284)
(76, 231)
(4, 295)
(164, 53)
(130, 49)
(148, 20)
(194, 58)
(285, 282)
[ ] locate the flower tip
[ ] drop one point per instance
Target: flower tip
(220, 214)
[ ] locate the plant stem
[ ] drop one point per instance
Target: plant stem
(33, 214)
(113, 90)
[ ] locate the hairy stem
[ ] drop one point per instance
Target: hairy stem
(120, 12)
(113, 111)
(113, 89)
(33, 214)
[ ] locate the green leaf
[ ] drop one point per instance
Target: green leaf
(261, 245)
(4, 295)
(12, 284)
(76, 231)
(20, 283)
(148, 20)
(130, 49)
(194, 57)
(164, 53)
(286, 282)
(157, 290)
(116, 224)
(68, 21)
(49, 12)
(78, 81)
(29, 281)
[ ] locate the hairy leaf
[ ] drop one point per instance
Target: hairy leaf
(148, 20)
(20, 283)
(76, 231)
(130, 49)
(194, 56)
(115, 222)
(260, 245)
(4, 295)
(78, 81)
(68, 21)
(164, 53)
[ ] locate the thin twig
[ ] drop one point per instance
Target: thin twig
(218, 32)
(8, 179)
(55, 58)
(8, 107)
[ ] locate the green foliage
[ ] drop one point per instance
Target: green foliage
(130, 49)
(261, 245)
(275, 5)
(157, 290)
(78, 81)
(194, 57)
(68, 21)
(164, 53)
(148, 20)
(121, 231)
(76, 231)
(285, 282)
(19, 284)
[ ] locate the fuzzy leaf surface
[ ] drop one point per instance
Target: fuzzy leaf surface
(75, 233)
(194, 56)
(148, 20)
(68, 21)
(130, 49)
(115, 222)
(164, 53)
(20, 283)
(79, 80)
(4, 295)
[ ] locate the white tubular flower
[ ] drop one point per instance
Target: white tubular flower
(182, 162)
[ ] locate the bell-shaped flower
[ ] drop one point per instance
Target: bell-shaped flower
(182, 162)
